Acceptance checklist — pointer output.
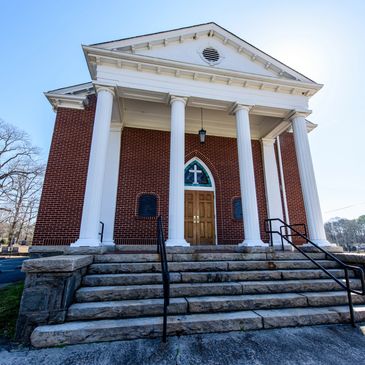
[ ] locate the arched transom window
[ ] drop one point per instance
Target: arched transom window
(196, 175)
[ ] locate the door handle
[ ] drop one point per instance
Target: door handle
(194, 219)
(198, 219)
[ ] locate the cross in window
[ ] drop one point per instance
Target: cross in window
(195, 171)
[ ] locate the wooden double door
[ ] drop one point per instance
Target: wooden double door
(199, 217)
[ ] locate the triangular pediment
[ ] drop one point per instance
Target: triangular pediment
(205, 45)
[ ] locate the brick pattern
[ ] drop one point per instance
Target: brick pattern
(59, 215)
(144, 167)
(292, 182)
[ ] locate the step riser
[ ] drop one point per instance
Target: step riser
(112, 330)
(205, 305)
(211, 256)
(118, 268)
(204, 277)
(126, 310)
(99, 294)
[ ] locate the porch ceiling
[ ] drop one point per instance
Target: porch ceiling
(216, 117)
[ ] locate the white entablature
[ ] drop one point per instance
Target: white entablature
(174, 63)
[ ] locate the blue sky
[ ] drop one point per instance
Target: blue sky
(325, 40)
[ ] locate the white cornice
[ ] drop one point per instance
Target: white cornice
(210, 30)
(67, 101)
(97, 56)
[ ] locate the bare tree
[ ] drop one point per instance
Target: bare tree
(17, 156)
(21, 176)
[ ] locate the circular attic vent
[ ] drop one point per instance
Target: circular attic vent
(211, 55)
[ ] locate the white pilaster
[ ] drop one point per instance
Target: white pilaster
(247, 178)
(308, 181)
(90, 226)
(272, 185)
(177, 161)
(110, 185)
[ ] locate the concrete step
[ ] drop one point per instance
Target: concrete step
(110, 293)
(209, 277)
(208, 304)
(118, 268)
(124, 309)
(151, 327)
(212, 248)
(204, 256)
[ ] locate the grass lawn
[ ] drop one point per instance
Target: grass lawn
(9, 305)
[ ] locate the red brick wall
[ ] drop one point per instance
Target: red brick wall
(59, 216)
(144, 167)
(292, 181)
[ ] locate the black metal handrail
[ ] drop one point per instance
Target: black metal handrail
(356, 269)
(161, 249)
(101, 233)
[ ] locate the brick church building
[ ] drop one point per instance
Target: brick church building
(194, 125)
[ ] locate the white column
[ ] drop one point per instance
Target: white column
(90, 226)
(110, 186)
(247, 178)
(177, 161)
(272, 185)
(308, 181)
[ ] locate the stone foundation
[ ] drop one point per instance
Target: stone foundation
(49, 290)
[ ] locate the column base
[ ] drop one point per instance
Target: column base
(328, 246)
(177, 242)
(87, 242)
(323, 243)
(253, 243)
(108, 243)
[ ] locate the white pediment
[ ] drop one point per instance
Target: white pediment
(192, 52)
(186, 45)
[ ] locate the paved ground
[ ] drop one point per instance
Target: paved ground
(320, 345)
(10, 270)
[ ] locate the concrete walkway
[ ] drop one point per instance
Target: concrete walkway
(334, 345)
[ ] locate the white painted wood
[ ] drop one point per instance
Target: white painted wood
(210, 32)
(177, 159)
(151, 115)
(282, 179)
(247, 178)
(90, 226)
(272, 185)
(110, 185)
(308, 181)
(190, 52)
(206, 89)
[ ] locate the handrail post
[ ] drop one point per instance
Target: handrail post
(349, 298)
(161, 250)
(328, 255)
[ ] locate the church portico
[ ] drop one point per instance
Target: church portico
(148, 115)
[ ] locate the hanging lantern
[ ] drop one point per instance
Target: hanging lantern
(202, 133)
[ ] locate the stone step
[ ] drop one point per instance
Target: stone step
(124, 309)
(118, 268)
(208, 304)
(109, 293)
(209, 277)
(202, 256)
(213, 248)
(150, 327)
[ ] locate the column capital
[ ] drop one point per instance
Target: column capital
(174, 98)
(298, 114)
(237, 106)
(105, 87)
(268, 141)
